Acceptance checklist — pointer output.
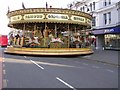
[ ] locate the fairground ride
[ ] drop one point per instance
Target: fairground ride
(51, 31)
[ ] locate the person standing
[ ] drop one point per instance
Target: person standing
(11, 38)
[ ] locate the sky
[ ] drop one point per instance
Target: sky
(17, 4)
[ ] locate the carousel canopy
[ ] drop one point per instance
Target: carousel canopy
(49, 15)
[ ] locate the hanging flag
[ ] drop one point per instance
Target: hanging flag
(50, 6)
(71, 6)
(8, 9)
(46, 6)
(23, 6)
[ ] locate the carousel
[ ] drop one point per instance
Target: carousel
(51, 31)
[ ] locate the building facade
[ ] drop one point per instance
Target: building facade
(105, 23)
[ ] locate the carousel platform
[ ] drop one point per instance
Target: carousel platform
(48, 51)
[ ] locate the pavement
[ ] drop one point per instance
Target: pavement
(105, 56)
(0, 69)
(0, 74)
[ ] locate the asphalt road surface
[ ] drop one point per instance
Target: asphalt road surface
(57, 72)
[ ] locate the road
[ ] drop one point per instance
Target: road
(57, 72)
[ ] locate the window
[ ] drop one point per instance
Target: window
(94, 21)
(93, 5)
(105, 3)
(112, 41)
(105, 18)
(83, 8)
(88, 9)
(109, 16)
(109, 2)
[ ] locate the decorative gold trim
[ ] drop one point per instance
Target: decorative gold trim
(49, 10)
(49, 21)
(49, 51)
(49, 18)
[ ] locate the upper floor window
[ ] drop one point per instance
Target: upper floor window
(109, 16)
(94, 21)
(81, 9)
(105, 18)
(88, 9)
(105, 3)
(93, 5)
(109, 2)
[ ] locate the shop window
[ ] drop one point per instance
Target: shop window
(112, 41)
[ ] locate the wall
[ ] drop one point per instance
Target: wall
(105, 9)
(118, 9)
(100, 42)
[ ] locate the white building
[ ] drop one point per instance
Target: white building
(118, 8)
(106, 21)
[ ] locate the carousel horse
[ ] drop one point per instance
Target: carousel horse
(46, 32)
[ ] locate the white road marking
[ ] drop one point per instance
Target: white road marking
(95, 67)
(65, 83)
(25, 57)
(87, 56)
(77, 61)
(40, 63)
(109, 70)
(5, 83)
(85, 64)
(36, 64)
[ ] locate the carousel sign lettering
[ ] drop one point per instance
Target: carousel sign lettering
(57, 16)
(33, 16)
(16, 18)
(78, 18)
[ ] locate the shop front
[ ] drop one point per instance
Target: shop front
(108, 38)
